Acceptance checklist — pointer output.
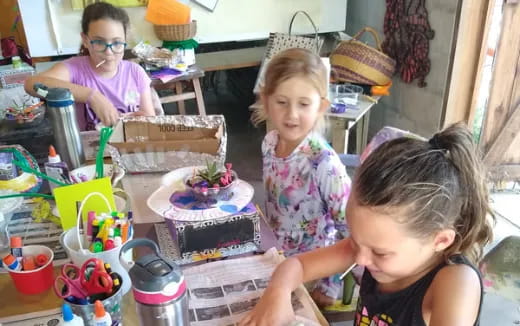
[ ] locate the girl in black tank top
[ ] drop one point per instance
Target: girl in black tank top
(417, 217)
(401, 308)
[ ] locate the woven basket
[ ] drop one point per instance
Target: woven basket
(357, 62)
(176, 32)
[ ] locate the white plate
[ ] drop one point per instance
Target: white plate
(173, 182)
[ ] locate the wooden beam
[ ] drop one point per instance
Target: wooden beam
(501, 103)
(474, 22)
(503, 141)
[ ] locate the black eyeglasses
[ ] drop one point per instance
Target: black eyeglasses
(102, 46)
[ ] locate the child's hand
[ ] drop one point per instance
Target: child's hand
(273, 309)
(321, 299)
(104, 109)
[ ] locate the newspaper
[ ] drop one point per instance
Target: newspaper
(44, 233)
(222, 292)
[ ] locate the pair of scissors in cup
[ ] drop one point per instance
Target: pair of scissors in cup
(83, 282)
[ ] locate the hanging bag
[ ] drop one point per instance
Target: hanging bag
(357, 62)
(280, 41)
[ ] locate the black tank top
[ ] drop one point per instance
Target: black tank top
(401, 308)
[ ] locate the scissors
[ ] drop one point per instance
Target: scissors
(83, 282)
(95, 277)
(69, 283)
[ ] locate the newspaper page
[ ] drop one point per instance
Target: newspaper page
(222, 292)
(43, 233)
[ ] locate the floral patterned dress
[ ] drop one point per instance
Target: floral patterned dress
(306, 197)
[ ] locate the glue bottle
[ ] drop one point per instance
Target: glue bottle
(56, 169)
(101, 317)
(69, 318)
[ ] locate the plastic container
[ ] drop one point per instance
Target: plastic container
(344, 97)
(112, 306)
(37, 280)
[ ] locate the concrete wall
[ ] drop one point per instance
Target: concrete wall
(410, 107)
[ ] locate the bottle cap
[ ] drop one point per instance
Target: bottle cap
(67, 312)
(99, 310)
(97, 246)
(16, 242)
(41, 260)
(9, 259)
(53, 156)
(109, 244)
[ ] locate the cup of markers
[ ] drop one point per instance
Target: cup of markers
(102, 238)
(30, 268)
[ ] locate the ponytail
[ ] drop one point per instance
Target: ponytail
(441, 182)
(473, 228)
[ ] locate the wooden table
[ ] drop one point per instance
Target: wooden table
(192, 76)
(341, 124)
(13, 304)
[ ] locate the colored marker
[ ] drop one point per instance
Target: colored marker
(90, 220)
(124, 232)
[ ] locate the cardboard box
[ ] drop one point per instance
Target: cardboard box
(163, 143)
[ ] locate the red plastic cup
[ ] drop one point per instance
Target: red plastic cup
(37, 280)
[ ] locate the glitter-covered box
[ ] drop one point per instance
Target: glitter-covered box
(221, 237)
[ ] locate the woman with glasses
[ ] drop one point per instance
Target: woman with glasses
(105, 85)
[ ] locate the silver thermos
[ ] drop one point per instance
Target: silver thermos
(158, 286)
(62, 113)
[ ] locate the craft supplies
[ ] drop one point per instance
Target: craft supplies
(41, 260)
(69, 318)
(36, 280)
(90, 224)
(24, 182)
(24, 167)
(56, 168)
(15, 77)
(84, 282)
(101, 317)
(16, 247)
(7, 168)
(104, 137)
(28, 263)
(12, 263)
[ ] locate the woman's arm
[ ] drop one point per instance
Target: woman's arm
(274, 308)
(59, 76)
(455, 296)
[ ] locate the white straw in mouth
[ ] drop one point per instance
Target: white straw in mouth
(99, 64)
(347, 271)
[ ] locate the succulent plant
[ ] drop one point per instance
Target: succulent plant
(210, 174)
